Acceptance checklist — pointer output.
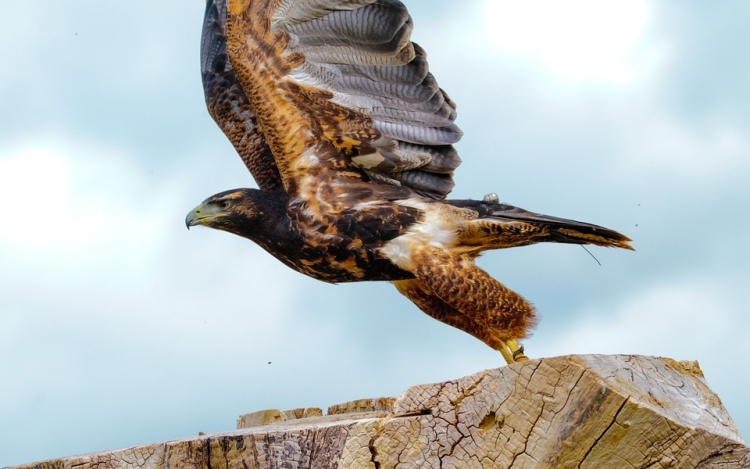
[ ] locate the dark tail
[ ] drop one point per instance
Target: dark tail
(513, 226)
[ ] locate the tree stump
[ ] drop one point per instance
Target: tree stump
(590, 411)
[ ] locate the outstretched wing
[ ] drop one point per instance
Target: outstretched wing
(339, 91)
(227, 102)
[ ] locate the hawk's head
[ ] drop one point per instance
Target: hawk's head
(244, 212)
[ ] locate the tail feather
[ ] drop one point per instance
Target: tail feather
(503, 225)
(562, 230)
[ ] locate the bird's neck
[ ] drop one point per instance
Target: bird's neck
(273, 225)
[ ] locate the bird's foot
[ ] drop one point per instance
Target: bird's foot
(513, 352)
(517, 351)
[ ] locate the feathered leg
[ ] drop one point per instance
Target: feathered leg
(438, 309)
(458, 281)
(452, 289)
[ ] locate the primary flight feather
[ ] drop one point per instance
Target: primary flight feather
(333, 110)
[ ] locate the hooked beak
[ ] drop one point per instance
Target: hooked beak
(203, 215)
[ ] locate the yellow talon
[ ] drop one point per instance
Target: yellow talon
(517, 351)
(512, 352)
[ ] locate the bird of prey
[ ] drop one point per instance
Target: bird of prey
(333, 110)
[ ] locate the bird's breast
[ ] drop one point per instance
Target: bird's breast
(339, 260)
(344, 246)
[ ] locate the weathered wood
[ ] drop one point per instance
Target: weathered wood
(590, 411)
(266, 417)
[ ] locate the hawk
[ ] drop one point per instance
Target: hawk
(350, 139)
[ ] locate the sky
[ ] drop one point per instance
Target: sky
(119, 327)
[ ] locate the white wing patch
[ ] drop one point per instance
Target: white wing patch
(437, 230)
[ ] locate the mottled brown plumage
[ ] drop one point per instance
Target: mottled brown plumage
(334, 112)
(228, 104)
(483, 326)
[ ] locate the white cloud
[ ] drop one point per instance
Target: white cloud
(80, 202)
(36, 184)
(578, 40)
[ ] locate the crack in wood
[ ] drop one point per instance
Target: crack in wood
(598, 439)
(373, 449)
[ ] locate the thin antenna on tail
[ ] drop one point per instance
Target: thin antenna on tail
(597, 260)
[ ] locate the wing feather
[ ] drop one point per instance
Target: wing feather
(412, 73)
(296, 11)
(355, 85)
(338, 88)
(376, 23)
(441, 159)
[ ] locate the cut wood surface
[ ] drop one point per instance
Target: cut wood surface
(588, 411)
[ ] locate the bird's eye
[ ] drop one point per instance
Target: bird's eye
(224, 204)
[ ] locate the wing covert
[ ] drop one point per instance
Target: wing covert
(227, 102)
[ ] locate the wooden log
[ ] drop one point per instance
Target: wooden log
(589, 411)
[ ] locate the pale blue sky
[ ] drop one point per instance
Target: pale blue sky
(120, 327)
